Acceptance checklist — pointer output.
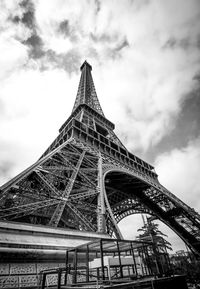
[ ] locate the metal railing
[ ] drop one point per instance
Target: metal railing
(61, 279)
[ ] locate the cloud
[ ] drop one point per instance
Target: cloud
(64, 27)
(35, 44)
(174, 43)
(13, 56)
(142, 86)
(178, 170)
(77, 31)
(152, 83)
(69, 61)
(36, 104)
(8, 161)
(186, 126)
(184, 43)
(28, 18)
(149, 96)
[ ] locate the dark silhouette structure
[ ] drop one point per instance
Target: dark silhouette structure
(88, 181)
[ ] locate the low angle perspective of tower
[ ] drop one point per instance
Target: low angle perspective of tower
(78, 191)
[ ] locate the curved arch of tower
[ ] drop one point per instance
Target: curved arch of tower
(87, 180)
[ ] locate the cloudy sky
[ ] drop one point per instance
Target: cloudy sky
(145, 56)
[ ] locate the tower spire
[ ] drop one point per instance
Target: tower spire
(86, 90)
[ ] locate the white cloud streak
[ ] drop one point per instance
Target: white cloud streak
(179, 171)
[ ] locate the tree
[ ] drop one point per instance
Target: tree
(158, 253)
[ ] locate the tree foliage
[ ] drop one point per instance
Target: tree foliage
(150, 232)
(158, 253)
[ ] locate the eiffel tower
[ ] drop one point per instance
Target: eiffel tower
(87, 180)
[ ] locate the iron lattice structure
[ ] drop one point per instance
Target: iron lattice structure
(87, 180)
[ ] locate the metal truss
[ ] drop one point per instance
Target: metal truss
(87, 180)
(129, 194)
(53, 182)
(86, 91)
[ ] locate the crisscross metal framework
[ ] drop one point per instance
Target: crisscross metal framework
(87, 180)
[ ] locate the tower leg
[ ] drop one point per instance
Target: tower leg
(101, 202)
(114, 223)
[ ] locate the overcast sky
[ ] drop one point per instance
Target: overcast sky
(145, 56)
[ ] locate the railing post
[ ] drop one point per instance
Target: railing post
(66, 265)
(75, 266)
(102, 260)
(87, 264)
(133, 255)
(43, 280)
(120, 263)
(144, 260)
(59, 278)
(148, 261)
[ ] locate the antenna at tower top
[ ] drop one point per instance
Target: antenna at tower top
(85, 63)
(86, 90)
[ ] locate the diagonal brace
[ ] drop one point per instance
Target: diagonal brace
(80, 173)
(81, 217)
(60, 208)
(49, 185)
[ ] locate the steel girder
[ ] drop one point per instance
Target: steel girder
(69, 188)
(129, 194)
(88, 180)
(68, 176)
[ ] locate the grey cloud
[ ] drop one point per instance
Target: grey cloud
(6, 168)
(187, 125)
(116, 51)
(15, 19)
(64, 27)
(48, 58)
(121, 45)
(92, 52)
(184, 43)
(198, 41)
(170, 43)
(68, 30)
(28, 17)
(35, 44)
(139, 4)
(104, 37)
(70, 61)
(28, 14)
(173, 43)
(197, 78)
(98, 6)
(114, 44)
(110, 38)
